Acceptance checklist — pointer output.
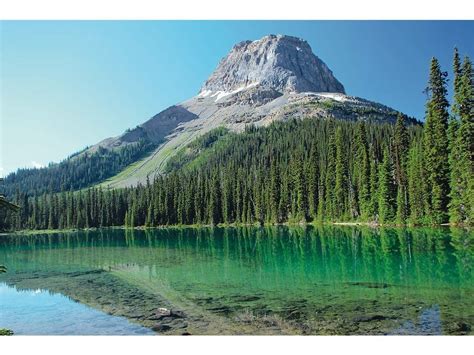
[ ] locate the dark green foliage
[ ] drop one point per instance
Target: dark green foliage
(386, 189)
(294, 171)
(78, 171)
(462, 152)
(361, 172)
(341, 184)
(194, 150)
(401, 145)
(417, 186)
(435, 148)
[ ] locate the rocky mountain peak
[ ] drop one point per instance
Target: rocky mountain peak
(283, 63)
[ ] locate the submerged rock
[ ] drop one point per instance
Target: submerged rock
(163, 311)
(177, 314)
(246, 298)
(160, 328)
(369, 284)
(370, 318)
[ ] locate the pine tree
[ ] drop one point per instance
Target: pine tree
(330, 183)
(313, 181)
(275, 186)
(436, 145)
(301, 210)
(386, 192)
(416, 184)
(462, 173)
(258, 200)
(374, 184)
(457, 73)
(362, 171)
(227, 197)
(215, 200)
(340, 188)
(401, 154)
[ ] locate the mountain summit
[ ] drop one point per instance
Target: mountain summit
(275, 78)
(283, 63)
(258, 82)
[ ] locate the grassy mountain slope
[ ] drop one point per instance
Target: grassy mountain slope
(317, 106)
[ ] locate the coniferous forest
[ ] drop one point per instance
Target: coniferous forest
(320, 170)
(79, 170)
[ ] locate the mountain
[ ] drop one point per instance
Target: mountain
(274, 78)
(283, 63)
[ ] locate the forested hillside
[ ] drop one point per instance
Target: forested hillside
(80, 170)
(299, 171)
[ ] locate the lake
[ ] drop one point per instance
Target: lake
(271, 280)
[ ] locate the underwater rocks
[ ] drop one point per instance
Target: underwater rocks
(369, 318)
(372, 312)
(102, 290)
(369, 284)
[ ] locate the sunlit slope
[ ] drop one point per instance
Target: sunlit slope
(212, 112)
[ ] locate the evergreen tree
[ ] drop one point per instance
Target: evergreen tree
(275, 185)
(215, 200)
(436, 145)
(374, 184)
(330, 184)
(462, 161)
(401, 143)
(416, 184)
(386, 192)
(301, 211)
(340, 188)
(313, 182)
(362, 171)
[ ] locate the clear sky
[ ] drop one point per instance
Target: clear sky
(69, 84)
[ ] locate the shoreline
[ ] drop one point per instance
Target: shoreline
(235, 225)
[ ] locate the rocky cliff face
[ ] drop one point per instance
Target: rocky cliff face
(258, 82)
(283, 63)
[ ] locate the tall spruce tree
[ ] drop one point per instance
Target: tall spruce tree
(374, 184)
(362, 171)
(275, 186)
(329, 200)
(436, 161)
(462, 161)
(386, 191)
(453, 149)
(301, 208)
(400, 159)
(313, 181)
(340, 188)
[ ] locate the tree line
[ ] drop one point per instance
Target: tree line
(78, 171)
(321, 170)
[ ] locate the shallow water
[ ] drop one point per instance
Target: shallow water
(278, 280)
(38, 312)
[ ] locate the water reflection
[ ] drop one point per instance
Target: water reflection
(39, 312)
(327, 271)
(427, 257)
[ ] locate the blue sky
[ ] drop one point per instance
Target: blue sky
(69, 84)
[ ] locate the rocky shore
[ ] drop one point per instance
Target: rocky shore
(243, 314)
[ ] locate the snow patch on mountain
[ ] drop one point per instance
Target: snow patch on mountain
(221, 94)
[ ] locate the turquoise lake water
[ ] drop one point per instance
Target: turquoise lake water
(275, 280)
(38, 312)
